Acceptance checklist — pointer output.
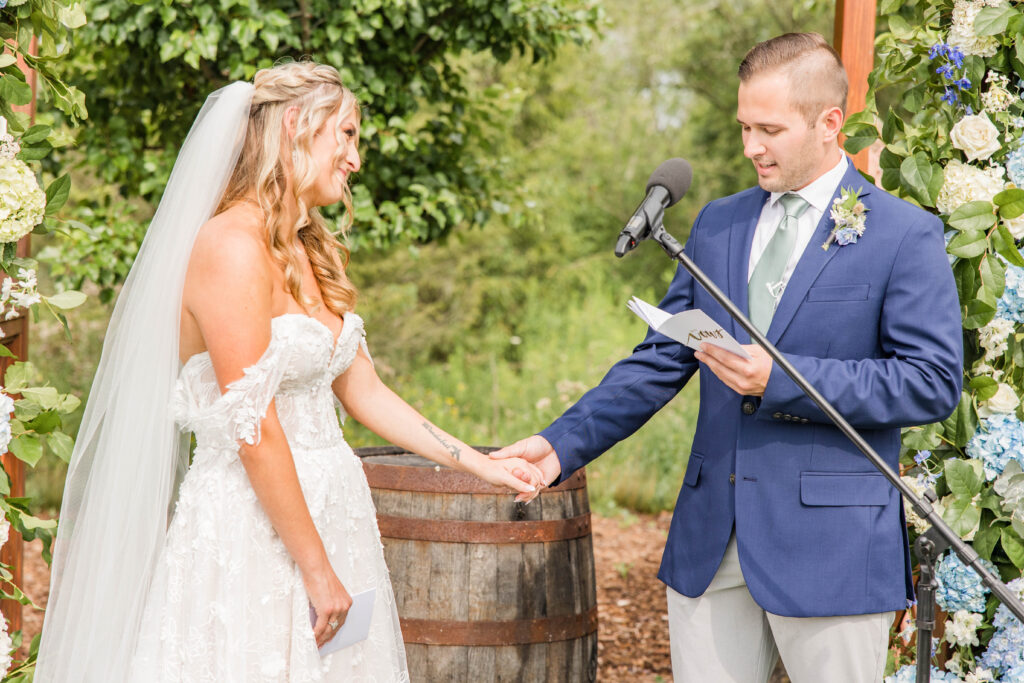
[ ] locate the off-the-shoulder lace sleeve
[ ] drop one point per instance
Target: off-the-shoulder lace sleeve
(353, 338)
(237, 414)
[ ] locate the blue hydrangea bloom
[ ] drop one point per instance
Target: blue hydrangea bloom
(1011, 303)
(1006, 649)
(1015, 159)
(908, 674)
(999, 439)
(846, 236)
(959, 586)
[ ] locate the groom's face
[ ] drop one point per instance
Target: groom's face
(786, 151)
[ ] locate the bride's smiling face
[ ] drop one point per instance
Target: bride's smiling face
(334, 153)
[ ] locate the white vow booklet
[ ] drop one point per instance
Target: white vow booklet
(357, 623)
(692, 328)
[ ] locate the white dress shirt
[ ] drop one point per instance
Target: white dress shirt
(818, 195)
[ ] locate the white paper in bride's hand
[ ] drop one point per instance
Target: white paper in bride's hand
(357, 623)
(692, 328)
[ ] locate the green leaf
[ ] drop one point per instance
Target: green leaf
(959, 427)
(46, 397)
(961, 514)
(979, 312)
(968, 244)
(993, 275)
(924, 438)
(985, 540)
(984, 387)
(859, 136)
(35, 134)
(57, 194)
(61, 444)
(28, 448)
(1003, 243)
(18, 376)
(1013, 545)
(1010, 203)
(962, 478)
(66, 300)
(992, 21)
(979, 215)
(919, 175)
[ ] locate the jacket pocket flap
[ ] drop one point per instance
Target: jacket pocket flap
(843, 488)
(839, 293)
(693, 469)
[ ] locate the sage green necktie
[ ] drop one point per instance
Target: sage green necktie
(765, 286)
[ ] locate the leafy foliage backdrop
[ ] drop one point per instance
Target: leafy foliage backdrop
(32, 426)
(946, 101)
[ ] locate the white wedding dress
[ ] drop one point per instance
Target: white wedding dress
(227, 603)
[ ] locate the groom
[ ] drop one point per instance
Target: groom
(785, 540)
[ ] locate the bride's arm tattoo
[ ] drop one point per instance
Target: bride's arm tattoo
(455, 451)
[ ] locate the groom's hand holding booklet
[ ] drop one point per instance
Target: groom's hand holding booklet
(692, 328)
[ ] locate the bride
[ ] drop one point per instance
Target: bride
(237, 324)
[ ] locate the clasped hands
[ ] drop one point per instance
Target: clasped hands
(745, 376)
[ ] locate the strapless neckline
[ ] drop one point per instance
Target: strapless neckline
(335, 341)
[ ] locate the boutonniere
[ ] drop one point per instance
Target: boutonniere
(849, 214)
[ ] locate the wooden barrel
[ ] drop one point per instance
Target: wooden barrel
(487, 589)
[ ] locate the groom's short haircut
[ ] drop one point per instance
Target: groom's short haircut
(816, 75)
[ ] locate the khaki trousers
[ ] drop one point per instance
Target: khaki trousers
(725, 636)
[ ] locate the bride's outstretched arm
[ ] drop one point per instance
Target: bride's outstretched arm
(367, 399)
(227, 297)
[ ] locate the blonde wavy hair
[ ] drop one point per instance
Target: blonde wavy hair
(318, 93)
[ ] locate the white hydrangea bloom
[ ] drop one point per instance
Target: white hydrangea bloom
(6, 646)
(22, 203)
(964, 183)
(6, 408)
(980, 675)
(962, 33)
(962, 629)
(994, 337)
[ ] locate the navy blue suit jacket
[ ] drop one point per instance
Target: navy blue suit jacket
(875, 327)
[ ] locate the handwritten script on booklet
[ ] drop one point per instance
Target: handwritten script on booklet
(692, 328)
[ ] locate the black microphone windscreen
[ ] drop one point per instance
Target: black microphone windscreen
(675, 175)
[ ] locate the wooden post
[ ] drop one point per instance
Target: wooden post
(16, 339)
(854, 39)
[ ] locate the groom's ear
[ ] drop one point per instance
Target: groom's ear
(831, 121)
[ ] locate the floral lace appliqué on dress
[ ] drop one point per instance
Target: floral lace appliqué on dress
(227, 603)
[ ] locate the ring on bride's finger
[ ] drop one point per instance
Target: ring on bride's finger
(333, 625)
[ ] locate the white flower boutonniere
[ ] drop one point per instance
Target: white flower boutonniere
(849, 214)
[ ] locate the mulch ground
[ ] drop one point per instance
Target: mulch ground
(633, 628)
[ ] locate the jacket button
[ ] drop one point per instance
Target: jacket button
(748, 407)
(777, 415)
(732, 478)
(804, 420)
(787, 418)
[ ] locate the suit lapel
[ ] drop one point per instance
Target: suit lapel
(813, 260)
(741, 236)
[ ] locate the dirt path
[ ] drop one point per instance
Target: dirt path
(633, 627)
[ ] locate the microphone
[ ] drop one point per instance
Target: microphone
(665, 187)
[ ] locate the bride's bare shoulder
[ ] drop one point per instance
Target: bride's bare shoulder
(230, 245)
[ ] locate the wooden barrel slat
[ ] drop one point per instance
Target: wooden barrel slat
(447, 531)
(486, 589)
(515, 632)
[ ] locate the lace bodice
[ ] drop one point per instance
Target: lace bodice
(298, 367)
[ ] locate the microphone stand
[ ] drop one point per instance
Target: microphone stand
(930, 544)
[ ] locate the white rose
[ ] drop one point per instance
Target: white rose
(962, 183)
(1015, 226)
(976, 136)
(1004, 401)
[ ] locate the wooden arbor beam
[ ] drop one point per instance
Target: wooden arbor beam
(16, 339)
(854, 39)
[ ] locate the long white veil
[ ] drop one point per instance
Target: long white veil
(129, 456)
